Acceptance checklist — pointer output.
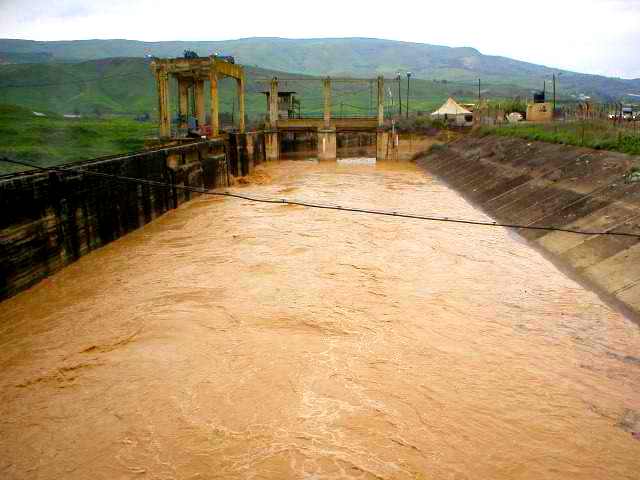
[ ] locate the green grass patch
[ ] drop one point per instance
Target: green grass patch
(52, 140)
(600, 135)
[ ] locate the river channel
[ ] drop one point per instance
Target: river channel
(239, 340)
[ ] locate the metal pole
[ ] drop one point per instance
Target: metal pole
(408, 88)
(554, 96)
(400, 93)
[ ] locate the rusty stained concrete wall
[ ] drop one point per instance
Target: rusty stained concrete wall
(49, 220)
(539, 184)
(245, 151)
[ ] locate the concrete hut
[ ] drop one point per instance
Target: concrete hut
(453, 113)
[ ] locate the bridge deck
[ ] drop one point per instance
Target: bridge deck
(339, 124)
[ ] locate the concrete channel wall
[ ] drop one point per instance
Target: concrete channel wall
(532, 183)
(51, 219)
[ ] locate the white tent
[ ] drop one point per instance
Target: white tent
(452, 111)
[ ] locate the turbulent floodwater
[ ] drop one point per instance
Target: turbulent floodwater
(236, 340)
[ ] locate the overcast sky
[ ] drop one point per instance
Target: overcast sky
(591, 36)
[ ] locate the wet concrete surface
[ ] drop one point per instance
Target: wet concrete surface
(230, 339)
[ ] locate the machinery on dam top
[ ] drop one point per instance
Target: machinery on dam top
(191, 73)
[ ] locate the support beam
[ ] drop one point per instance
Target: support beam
(183, 102)
(273, 104)
(163, 104)
(380, 101)
(213, 88)
(327, 103)
(240, 89)
(198, 92)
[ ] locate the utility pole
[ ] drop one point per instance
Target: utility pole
(408, 89)
(370, 96)
(479, 92)
(400, 93)
(554, 96)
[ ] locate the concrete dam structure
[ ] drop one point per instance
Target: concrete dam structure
(537, 184)
(192, 74)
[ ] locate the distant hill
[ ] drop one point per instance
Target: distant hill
(360, 57)
(125, 86)
(30, 57)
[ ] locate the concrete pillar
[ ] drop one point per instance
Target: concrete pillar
(162, 78)
(183, 101)
(240, 89)
(271, 145)
(198, 93)
(213, 88)
(382, 145)
(327, 103)
(327, 144)
(273, 104)
(380, 101)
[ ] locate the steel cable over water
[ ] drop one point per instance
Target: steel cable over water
(284, 201)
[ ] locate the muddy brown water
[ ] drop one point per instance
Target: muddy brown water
(236, 340)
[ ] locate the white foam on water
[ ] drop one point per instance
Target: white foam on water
(357, 161)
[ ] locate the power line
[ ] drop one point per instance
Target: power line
(284, 201)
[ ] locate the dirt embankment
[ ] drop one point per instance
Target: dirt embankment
(538, 184)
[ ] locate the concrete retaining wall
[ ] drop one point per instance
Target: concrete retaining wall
(534, 183)
(49, 220)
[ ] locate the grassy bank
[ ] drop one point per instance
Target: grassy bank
(53, 139)
(601, 135)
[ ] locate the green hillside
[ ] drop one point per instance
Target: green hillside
(360, 57)
(51, 139)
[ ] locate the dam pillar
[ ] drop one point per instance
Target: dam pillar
(271, 137)
(241, 114)
(327, 144)
(387, 144)
(380, 102)
(183, 101)
(164, 112)
(327, 102)
(327, 135)
(382, 140)
(273, 104)
(271, 145)
(198, 93)
(213, 89)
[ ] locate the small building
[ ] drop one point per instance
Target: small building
(288, 104)
(453, 113)
(540, 112)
